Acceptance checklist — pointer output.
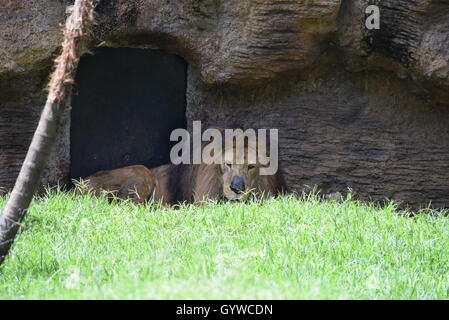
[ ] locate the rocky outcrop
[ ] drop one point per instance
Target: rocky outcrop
(245, 41)
(412, 41)
(357, 108)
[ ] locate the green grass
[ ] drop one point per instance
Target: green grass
(76, 247)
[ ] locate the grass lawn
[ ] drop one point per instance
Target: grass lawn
(76, 247)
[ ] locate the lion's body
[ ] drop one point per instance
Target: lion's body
(135, 182)
(223, 178)
(226, 177)
(184, 183)
(164, 191)
(192, 183)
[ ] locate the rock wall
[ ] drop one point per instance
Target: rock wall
(356, 108)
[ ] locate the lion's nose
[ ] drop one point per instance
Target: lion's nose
(237, 184)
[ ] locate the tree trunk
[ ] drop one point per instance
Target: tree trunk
(76, 28)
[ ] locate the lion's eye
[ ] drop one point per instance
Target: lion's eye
(229, 164)
(250, 167)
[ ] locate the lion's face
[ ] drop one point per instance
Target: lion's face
(238, 179)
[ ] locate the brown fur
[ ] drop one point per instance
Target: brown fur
(191, 183)
(134, 182)
(163, 192)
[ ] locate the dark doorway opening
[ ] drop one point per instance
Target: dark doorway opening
(125, 104)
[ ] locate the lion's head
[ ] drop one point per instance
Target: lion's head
(239, 179)
(235, 173)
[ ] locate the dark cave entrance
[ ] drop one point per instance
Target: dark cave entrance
(125, 104)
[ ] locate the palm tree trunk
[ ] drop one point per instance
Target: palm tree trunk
(77, 27)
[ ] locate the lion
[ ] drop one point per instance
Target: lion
(228, 180)
(133, 182)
